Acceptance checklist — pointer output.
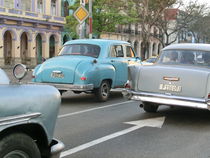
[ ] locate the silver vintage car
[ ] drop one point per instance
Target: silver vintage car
(27, 118)
(181, 77)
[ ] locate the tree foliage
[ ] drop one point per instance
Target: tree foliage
(106, 15)
(147, 13)
(185, 21)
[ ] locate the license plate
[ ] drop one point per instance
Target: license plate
(57, 75)
(170, 87)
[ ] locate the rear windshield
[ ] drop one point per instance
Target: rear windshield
(81, 49)
(185, 57)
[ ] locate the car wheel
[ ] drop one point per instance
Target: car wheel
(18, 145)
(61, 91)
(150, 107)
(102, 93)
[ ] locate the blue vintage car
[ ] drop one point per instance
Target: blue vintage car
(181, 77)
(88, 66)
(28, 115)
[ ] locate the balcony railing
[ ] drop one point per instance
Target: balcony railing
(31, 15)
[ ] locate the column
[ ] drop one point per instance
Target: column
(47, 7)
(32, 49)
(150, 49)
(1, 49)
(45, 46)
(58, 7)
(16, 49)
(58, 44)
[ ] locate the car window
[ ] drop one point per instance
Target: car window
(117, 51)
(185, 57)
(81, 49)
(129, 51)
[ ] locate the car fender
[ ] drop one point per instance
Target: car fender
(36, 70)
(95, 73)
(34, 108)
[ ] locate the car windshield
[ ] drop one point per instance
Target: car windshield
(81, 49)
(185, 57)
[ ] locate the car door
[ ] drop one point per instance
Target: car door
(117, 59)
(130, 55)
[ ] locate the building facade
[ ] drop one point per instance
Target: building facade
(132, 34)
(30, 30)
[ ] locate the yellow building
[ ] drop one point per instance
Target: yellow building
(29, 30)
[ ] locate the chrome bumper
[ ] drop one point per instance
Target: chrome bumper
(56, 148)
(164, 99)
(73, 87)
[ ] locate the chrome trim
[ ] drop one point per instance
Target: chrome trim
(171, 78)
(18, 118)
(56, 71)
(56, 148)
(168, 99)
(76, 87)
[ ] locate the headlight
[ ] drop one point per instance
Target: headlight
(19, 71)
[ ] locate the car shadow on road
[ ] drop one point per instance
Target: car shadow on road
(186, 117)
(70, 97)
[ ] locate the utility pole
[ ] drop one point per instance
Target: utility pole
(82, 25)
(91, 19)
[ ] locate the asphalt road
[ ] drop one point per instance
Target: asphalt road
(97, 130)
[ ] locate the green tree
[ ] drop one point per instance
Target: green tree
(106, 15)
(146, 13)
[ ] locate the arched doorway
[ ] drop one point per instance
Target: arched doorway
(153, 49)
(136, 47)
(65, 39)
(7, 48)
(52, 46)
(159, 49)
(39, 49)
(24, 48)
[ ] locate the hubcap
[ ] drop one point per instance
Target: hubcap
(16, 154)
(105, 90)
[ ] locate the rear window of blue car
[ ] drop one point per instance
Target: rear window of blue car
(81, 49)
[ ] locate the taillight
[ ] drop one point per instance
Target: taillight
(33, 76)
(127, 85)
(83, 78)
(209, 96)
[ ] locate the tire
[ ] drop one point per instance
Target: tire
(102, 93)
(150, 107)
(61, 92)
(18, 145)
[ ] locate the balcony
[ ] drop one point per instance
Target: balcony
(16, 13)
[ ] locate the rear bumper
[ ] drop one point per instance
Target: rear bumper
(164, 99)
(56, 148)
(73, 87)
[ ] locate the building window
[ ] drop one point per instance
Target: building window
(40, 6)
(66, 8)
(9, 3)
(26, 5)
(53, 7)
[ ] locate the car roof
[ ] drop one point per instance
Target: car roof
(96, 41)
(188, 46)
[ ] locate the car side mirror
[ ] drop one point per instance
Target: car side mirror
(19, 71)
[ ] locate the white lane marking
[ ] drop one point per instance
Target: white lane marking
(153, 122)
(92, 109)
